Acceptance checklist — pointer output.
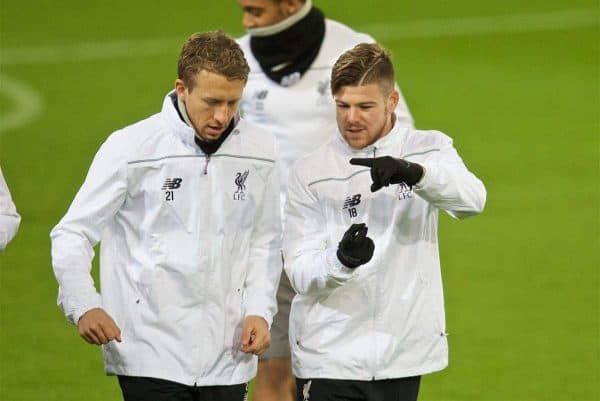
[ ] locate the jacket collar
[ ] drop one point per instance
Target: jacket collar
(392, 142)
(175, 124)
(179, 127)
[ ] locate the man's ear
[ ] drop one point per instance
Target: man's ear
(290, 7)
(393, 100)
(180, 89)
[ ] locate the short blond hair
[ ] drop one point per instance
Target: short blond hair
(364, 64)
(213, 51)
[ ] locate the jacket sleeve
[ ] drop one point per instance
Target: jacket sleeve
(9, 218)
(73, 239)
(264, 269)
(310, 262)
(448, 184)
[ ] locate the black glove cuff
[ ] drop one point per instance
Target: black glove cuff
(348, 261)
(413, 174)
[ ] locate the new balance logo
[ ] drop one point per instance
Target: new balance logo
(259, 99)
(350, 204)
(352, 201)
(169, 185)
(240, 181)
(172, 183)
(261, 94)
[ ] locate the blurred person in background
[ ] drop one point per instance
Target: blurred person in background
(185, 205)
(361, 246)
(9, 218)
(291, 47)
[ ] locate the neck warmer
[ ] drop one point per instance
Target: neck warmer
(207, 147)
(286, 55)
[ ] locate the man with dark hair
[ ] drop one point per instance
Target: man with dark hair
(291, 47)
(185, 205)
(361, 245)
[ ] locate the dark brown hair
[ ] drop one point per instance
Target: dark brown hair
(212, 51)
(364, 64)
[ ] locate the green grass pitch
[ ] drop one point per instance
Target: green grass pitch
(516, 84)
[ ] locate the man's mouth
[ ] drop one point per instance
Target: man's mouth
(354, 130)
(214, 130)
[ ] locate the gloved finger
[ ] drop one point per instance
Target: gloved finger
(349, 234)
(354, 228)
(356, 232)
(385, 176)
(405, 163)
(376, 186)
(361, 233)
(365, 161)
(375, 176)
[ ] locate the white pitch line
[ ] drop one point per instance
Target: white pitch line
(26, 104)
(547, 21)
(89, 51)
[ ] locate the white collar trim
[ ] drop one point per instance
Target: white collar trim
(282, 25)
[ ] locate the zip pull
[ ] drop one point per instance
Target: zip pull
(206, 165)
(374, 151)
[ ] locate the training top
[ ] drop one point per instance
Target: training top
(190, 245)
(384, 319)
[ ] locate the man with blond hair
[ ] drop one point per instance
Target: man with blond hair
(291, 46)
(361, 247)
(185, 205)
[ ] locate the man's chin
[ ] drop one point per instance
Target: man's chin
(210, 137)
(355, 141)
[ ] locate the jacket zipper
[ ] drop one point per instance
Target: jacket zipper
(376, 298)
(206, 165)
(203, 369)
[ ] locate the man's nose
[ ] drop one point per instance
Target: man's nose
(353, 114)
(248, 21)
(222, 114)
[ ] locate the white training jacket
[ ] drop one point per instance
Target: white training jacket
(385, 319)
(9, 218)
(190, 245)
(302, 115)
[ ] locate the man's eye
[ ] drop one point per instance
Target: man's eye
(255, 12)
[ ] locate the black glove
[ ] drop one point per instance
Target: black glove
(386, 170)
(355, 248)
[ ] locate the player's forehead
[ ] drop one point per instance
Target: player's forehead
(369, 93)
(261, 5)
(212, 85)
